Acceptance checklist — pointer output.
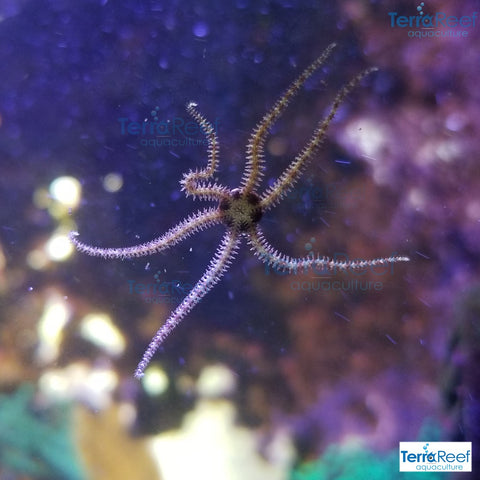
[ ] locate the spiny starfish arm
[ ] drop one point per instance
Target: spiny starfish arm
(195, 182)
(290, 176)
(255, 159)
(281, 262)
(192, 224)
(207, 191)
(218, 266)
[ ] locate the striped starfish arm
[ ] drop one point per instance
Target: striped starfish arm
(290, 176)
(198, 183)
(281, 262)
(192, 224)
(218, 266)
(255, 159)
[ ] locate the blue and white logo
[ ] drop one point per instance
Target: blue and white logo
(435, 24)
(435, 456)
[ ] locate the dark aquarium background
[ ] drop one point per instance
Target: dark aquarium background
(272, 376)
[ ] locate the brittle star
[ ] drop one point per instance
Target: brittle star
(239, 210)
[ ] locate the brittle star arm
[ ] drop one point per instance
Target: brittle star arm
(281, 262)
(255, 159)
(218, 266)
(195, 182)
(289, 177)
(192, 224)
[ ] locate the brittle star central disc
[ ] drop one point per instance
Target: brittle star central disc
(240, 211)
